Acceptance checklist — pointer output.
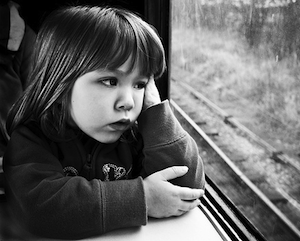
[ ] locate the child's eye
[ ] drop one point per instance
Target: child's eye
(109, 82)
(140, 85)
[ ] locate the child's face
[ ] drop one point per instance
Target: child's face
(106, 103)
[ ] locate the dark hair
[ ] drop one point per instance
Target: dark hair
(76, 40)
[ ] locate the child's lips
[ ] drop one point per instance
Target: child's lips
(121, 125)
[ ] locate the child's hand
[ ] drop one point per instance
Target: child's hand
(151, 94)
(165, 199)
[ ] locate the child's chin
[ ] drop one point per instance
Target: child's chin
(108, 139)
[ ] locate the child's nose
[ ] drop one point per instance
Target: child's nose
(126, 101)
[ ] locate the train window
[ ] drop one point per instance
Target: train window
(235, 73)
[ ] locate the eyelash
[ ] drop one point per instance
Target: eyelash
(141, 85)
(108, 82)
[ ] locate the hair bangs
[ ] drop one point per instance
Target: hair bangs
(122, 49)
(149, 55)
(133, 41)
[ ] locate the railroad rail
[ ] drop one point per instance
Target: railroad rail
(259, 206)
(231, 120)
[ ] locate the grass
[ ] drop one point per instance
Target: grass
(222, 66)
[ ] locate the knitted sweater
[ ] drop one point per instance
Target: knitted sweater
(81, 188)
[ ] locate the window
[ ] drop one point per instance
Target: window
(235, 71)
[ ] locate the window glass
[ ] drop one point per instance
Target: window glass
(235, 71)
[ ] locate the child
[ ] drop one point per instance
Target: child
(92, 146)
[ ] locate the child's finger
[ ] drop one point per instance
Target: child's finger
(187, 206)
(173, 172)
(187, 194)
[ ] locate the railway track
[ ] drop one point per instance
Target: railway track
(261, 182)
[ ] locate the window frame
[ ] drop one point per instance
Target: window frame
(215, 204)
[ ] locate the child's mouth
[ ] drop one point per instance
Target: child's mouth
(121, 125)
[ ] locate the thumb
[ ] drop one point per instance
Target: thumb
(173, 172)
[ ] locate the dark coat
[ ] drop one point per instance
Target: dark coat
(61, 189)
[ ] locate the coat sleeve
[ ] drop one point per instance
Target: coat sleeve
(50, 204)
(167, 144)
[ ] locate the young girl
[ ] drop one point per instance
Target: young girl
(92, 146)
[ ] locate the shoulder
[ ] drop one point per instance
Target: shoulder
(27, 138)
(28, 143)
(30, 129)
(31, 137)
